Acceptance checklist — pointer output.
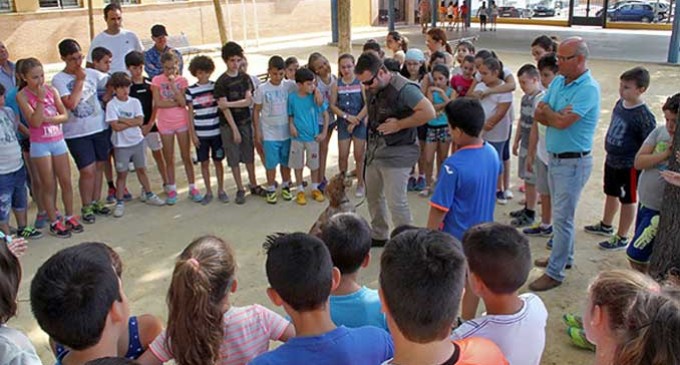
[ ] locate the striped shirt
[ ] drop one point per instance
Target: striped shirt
(206, 112)
(247, 332)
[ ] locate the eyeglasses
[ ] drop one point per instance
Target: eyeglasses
(370, 82)
(566, 58)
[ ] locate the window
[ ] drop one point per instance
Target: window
(58, 4)
(6, 6)
(123, 2)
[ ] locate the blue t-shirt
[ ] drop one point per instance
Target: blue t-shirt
(583, 95)
(341, 346)
(440, 120)
(466, 188)
(361, 308)
(305, 114)
(11, 102)
(627, 131)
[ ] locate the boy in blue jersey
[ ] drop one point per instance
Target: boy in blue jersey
(301, 277)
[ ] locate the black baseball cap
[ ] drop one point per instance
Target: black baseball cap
(158, 30)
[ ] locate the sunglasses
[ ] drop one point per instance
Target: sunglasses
(370, 82)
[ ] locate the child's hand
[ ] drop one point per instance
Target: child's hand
(293, 131)
(222, 103)
(196, 141)
(350, 128)
(42, 92)
(237, 136)
(515, 148)
(530, 163)
(80, 74)
(18, 247)
(320, 137)
(146, 129)
(353, 120)
(671, 177)
(488, 126)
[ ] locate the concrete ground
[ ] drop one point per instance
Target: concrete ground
(148, 238)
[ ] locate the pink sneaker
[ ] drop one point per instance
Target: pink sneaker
(195, 195)
(172, 198)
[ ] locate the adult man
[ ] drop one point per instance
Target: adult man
(152, 57)
(395, 108)
(7, 69)
(425, 14)
(116, 39)
(570, 110)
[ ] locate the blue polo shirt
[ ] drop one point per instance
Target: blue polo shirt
(7, 79)
(583, 95)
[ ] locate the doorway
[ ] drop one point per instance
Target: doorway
(587, 12)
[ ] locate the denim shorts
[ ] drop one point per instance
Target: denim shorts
(276, 153)
(499, 146)
(13, 195)
(45, 149)
(358, 132)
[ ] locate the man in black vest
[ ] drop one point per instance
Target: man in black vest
(396, 107)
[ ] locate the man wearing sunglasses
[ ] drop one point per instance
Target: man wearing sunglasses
(570, 109)
(396, 107)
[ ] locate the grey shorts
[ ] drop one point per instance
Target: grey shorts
(136, 154)
(243, 152)
(528, 177)
(541, 174)
(300, 150)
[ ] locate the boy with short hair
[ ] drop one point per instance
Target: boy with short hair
(348, 238)
(538, 158)
(499, 261)
(303, 113)
(301, 277)
(125, 116)
(205, 122)
(90, 326)
(529, 81)
(631, 123)
(234, 94)
(141, 90)
(272, 134)
(422, 273)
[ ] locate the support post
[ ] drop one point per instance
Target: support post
(334, 22)
(674, 47)
(220, 21)
(390, 15)
(344, 26)
(434, 7)
(90, 18)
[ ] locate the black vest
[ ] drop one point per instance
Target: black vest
(385, 105)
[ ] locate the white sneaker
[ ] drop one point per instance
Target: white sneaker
(142, 196)
(119, 211)
(508, 194)
(155, 200)
(361, 191)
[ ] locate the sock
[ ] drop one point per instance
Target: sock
(120, 202)
(605, 225)
(285, 184)
(301, 188)
(315, 186)
(545, 225)
(55, 222)
(192, 186)
(68, 217)
(271, 188)
(421, 176)
(172, 187)
(110, 184)
(530, 213)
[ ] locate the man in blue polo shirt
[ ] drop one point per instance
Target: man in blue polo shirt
(570, 110)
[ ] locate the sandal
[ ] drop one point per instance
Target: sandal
(578, 339)
(258, 191)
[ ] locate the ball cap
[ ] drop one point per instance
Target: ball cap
(158, 30)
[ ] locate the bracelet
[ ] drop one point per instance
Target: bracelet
(344, 116)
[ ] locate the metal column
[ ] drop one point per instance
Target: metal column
(390, 15)
(674, 47)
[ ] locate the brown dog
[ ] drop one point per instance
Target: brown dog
(338, 202)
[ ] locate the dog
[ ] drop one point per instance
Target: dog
(338, 202)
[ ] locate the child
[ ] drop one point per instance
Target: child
(450, 10)
(493, 15)
(205, 123)
(420, 267)
(415, 70)
(542, 46)
(461, 82)
(301, 277)
(141, 90)
(398, 44)
(303, 115)
(482, 13)
(15, 347)
(173, 120)
(348, 103)
(529, 82)
(292, 66)
(82, 272)
(499, 261)
(217, 332)
(463, 49)
(496, 111)
(86, 133)
(125, 116)
(414, 65)
(140, 332)
(42, 107)
(13, 194)
(272, 134)
(234, 92)
(437, 136)
(653, 159)
(538, 158)
(325, 80)
(631, 123)
(348, 238)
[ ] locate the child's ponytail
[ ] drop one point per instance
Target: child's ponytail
(201, 280)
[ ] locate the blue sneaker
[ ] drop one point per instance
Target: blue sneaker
(420, 184)
(322, 185)
(41, 220)
(411, 185)
(537, 230)
(615, 243)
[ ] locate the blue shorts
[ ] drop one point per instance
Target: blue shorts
(499, 146)
(46, 149)
(276, 153)
(87, 150)
(210, 147)
(358, 132)
(13, 195)
(646, 225)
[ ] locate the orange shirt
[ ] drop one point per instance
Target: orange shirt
(479, 351)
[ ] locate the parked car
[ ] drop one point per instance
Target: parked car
(631, 12)
(543, 11)
(513, 12)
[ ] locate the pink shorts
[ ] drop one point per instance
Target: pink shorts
(166, 128)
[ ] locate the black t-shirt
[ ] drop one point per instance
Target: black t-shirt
(142, 92)
(234, 89)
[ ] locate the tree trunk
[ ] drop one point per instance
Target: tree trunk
(344, 26)
(220, 20)
(90, 17)
(666, 254)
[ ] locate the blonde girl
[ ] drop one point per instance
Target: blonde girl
(319, 64)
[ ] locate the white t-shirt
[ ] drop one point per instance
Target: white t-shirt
(501, 130)
(16, 348)
(131, 108)
(10, 152)
(274, 114)
(521, 336)
(87, 117)
(120, 45)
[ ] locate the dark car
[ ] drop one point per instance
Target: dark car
(543, 11)
(630, 12)
(513, 12)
